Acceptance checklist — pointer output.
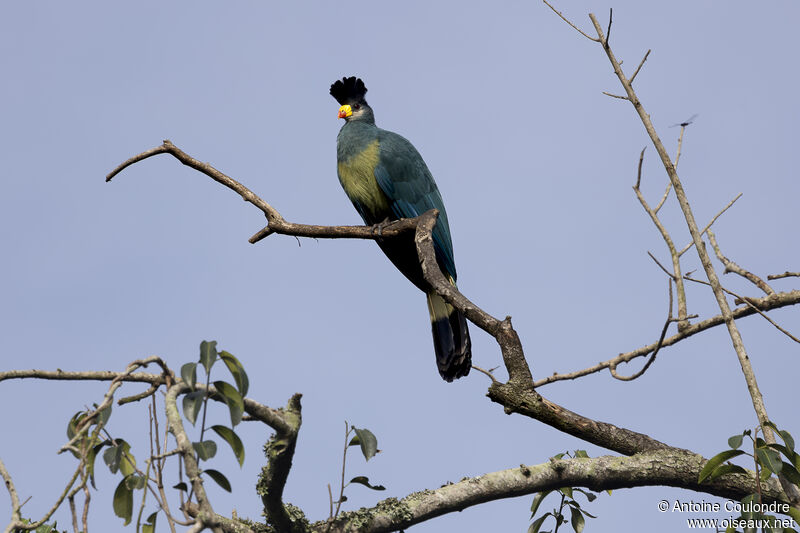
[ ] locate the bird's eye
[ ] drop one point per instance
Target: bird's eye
(356, 106)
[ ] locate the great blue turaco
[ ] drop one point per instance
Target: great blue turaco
(386, 179)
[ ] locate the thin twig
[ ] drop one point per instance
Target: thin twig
(683, 321)
(615, 96)
(667, 272)
(613, 367)
(663, 198)
(639, 171)
(736, 339)
(140, 396)
(344, 465)
(730, 266)
(767, 303)
(635, 72)
(707, 226)
(755, 308)
(570, 23)
(482, 371)
(786, 274)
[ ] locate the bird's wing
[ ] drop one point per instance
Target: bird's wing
(406, 181)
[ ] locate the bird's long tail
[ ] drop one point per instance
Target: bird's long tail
(450, 338)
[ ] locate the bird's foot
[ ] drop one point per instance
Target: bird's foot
(378, 228)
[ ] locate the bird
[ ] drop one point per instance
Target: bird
(386, 179)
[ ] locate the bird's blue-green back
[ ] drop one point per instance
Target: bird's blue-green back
(385, 177)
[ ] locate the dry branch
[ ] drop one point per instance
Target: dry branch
(736, 338)
(776, 301)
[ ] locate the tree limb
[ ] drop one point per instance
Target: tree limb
(736, 338)
(675, 468)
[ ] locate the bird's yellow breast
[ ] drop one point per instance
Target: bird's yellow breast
(357, 176)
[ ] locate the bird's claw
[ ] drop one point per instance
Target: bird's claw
(378, 228)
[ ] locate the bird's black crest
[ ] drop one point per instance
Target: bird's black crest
(349, 90)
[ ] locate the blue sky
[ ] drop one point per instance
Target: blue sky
(535, 166)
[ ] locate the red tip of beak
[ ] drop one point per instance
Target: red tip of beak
(342, 114)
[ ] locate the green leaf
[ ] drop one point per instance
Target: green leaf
(566, 491)
(589, 496)
(118, 457)
(221, 480)
(181, 486)
(135, 481)
(721, 470)
(557, 456)
(790, 472)
(123, 501)
(735, 441)
(787, 439)
(363, 480)
(205, 450)
(104, 415)
(189, 374)
(368, 442)
(581, 454)
(781, 448)
(577, 520)
(785, 436)
(232, 439)
(192, 403)
(715, 461)
(208, 354)
(91, 459)
(233, 399)
(237, 371)
(794, 513)
(537, 501)
(537, 524)
(150, 525)
(769, 459)
(72, 425)
(111, 458)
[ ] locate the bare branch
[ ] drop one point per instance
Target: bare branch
(730, 266)
(786, 274)
(193, 471)
(635, 72)
(16, 516)
(570, 23)
(706, 228)
(519, 372)
(486, 372)
(736, 339)
(775, 301)
(613, 366)
(667, 272)
(664, 197)
(277, 224)
(748, 301)
(615, 96)
(683, 321)
(639, 171)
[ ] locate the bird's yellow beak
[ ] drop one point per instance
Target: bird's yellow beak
(345, 111)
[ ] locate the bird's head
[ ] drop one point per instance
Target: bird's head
(349, 92)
